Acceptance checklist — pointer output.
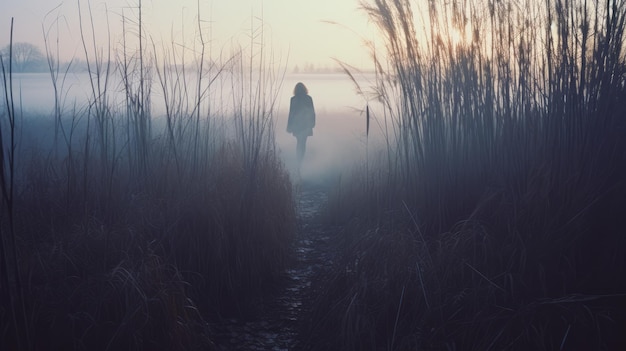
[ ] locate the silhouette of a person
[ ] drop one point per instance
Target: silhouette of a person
(301, 119)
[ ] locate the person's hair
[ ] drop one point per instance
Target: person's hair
(300, 89)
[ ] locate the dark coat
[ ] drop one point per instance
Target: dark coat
(301, 116)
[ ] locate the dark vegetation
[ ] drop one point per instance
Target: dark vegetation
(121, 230)
(494, 218)
(491, 221)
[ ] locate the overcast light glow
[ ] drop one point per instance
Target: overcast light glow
(297, 29)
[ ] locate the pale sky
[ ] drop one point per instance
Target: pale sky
(293, 27)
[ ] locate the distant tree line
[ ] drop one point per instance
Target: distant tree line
(311, 68)
(337, 68)
(26, 58)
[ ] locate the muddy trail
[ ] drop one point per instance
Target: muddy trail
(276, 328)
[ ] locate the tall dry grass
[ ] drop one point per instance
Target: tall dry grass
(493, 221)
(135, 231)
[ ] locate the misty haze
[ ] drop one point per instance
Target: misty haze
(340, 134)
(388, 175)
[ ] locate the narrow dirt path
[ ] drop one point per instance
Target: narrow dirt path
(278, 328)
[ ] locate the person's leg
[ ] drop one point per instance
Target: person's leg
(300, 149)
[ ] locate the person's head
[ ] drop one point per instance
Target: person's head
(300, 89)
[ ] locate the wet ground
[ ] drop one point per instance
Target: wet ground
(278, 328)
